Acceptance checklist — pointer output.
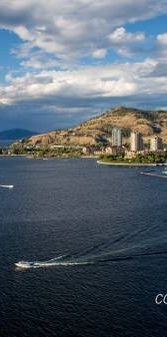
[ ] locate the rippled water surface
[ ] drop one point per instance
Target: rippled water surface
(97, 237)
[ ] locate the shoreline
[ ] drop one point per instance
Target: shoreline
(12, 155)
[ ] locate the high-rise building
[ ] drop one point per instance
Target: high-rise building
(136, 142)
(116, 137)
(156, 144)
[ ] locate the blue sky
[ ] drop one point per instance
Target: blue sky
(62, 62)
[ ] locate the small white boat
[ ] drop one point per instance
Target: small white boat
(28, 265)
(164, 171)
(24, 264)
(7, 186)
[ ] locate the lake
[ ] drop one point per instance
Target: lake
(101, 235)
(5, 143)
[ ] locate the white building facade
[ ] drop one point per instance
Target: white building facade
(117, 137)
(136, 142)
(155, 144)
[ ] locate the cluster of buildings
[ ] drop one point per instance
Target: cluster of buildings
(155, 143)
(137, 143)
(116, 147)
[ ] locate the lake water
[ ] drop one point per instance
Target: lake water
(105, 228)
(5, 143)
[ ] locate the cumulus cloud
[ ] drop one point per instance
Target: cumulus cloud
(121, 36)
(60, 98)
(89, 82)
(99, 53)
(71, 28)
(59, 36)
(81, 83)
(161, 46)
(125, 42)
(162, 39)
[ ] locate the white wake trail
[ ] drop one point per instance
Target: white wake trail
(57, 261)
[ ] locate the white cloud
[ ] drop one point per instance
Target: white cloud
(99, 53)
(78, 27)
(57, 35)
(162, 39)
(124, 42)
(23, 33)
(121, 36)
(86, 83)
(159, 49)
(39, 61)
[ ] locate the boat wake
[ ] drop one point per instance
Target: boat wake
(57, 261)
(105, 257)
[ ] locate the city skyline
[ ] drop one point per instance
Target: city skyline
(62, 63)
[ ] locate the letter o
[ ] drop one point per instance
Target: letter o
(164, 299)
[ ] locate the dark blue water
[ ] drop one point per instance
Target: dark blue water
(110, 225)
(5, 143)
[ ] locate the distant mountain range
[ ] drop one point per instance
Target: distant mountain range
(99, 129)
(16, 134)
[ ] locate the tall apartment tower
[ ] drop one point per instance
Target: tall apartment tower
(136, 142)
(116, 137)
(156, 144)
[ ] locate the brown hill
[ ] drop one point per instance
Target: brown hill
(99, 128)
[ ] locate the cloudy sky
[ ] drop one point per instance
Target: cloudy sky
(64, 61)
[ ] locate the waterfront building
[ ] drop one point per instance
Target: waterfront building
(136, 142)
(156, 144)
(117, 137)
(115, 150)
(109, 150)
(129, 154)
(99, 152)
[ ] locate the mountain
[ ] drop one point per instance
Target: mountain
(99, 129)
(16, 134)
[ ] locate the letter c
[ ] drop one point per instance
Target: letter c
(160, 300)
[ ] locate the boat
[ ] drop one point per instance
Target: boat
(24, 264)
(27, 264)
(7, 186)
(164, 171)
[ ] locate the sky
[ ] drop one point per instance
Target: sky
(62, 62)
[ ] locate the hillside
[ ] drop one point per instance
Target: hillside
(99, 128)
(15, 134)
